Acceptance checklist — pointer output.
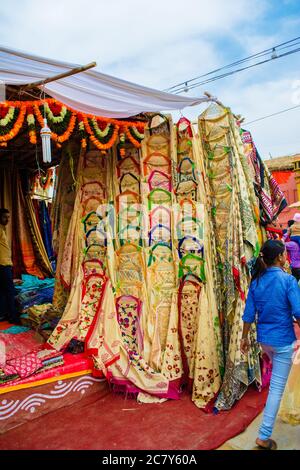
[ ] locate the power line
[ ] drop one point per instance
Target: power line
(218, 77)
(273, 50)
(270, 115)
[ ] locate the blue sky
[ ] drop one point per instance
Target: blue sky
(163, 42)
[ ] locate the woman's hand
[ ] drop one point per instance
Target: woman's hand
(245, 345)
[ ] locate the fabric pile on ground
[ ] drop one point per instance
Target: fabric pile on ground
(34, 315)
(42, 318)
(34, 291)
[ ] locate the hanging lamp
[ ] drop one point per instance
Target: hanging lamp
(46, 142)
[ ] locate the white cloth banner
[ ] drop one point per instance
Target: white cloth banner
(90, 92)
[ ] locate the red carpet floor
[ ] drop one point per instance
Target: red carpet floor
(108, 421)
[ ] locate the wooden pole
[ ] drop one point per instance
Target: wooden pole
(59, 76)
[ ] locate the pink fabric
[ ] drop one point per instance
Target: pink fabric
(72, 363)
(124, 385)
(24, 366)
(266, 370)
(21, 344)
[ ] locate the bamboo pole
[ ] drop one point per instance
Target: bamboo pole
(59, 76)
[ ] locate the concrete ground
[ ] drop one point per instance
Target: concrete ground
(286, 436)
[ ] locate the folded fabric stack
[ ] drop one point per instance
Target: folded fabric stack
(33, 291)
(29, 364)
(34, 297)
(33, 283)
(35, 315)
(42, 318)
(50, 358)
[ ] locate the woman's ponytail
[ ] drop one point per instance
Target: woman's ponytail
(267, 256)
(259, 267)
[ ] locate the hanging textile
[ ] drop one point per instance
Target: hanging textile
(82, 256)
(201, 346)
(61, 213)
(6, 195)
(236, 243)
(271, 198)
(46, 231)
(29, 253)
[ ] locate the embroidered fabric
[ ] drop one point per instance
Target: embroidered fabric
(188, 299)
(160, 215)
(192, 264)
(126, 199)
(130, 263)
(160, 233)
(129, 309)
(90, 220)
(159, 197)
(90, 303)
(128, 165)
(161, 266)
(95, 251)
(156, 161)
(95, 236)
(186, 170)
(129, 182)
(159, 179)
(92, 266)
(130, 233)
(189, 226)
(186, 190)
(92, 189)
(189, 244)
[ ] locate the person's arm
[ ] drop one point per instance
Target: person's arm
(286, 235)
(294, 298)
(248, 319)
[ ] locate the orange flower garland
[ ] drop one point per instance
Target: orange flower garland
(31, 125)
(95, 141)
(57, 138)
(130, 137)
(32, 109)
(16, 128)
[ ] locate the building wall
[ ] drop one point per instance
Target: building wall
(287, 182)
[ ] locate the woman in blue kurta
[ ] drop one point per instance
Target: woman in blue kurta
(273, 300)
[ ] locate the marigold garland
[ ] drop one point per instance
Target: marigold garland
(4, 138)
(31, 125)
(57, 138)
(96, 140)
(134, 137)
(102, 131)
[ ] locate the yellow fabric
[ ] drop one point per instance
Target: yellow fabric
(295, 229)
(5, 250)
(290, 405)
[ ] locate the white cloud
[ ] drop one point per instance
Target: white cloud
(83, 30)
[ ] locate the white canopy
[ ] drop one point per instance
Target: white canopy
(90, 92)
